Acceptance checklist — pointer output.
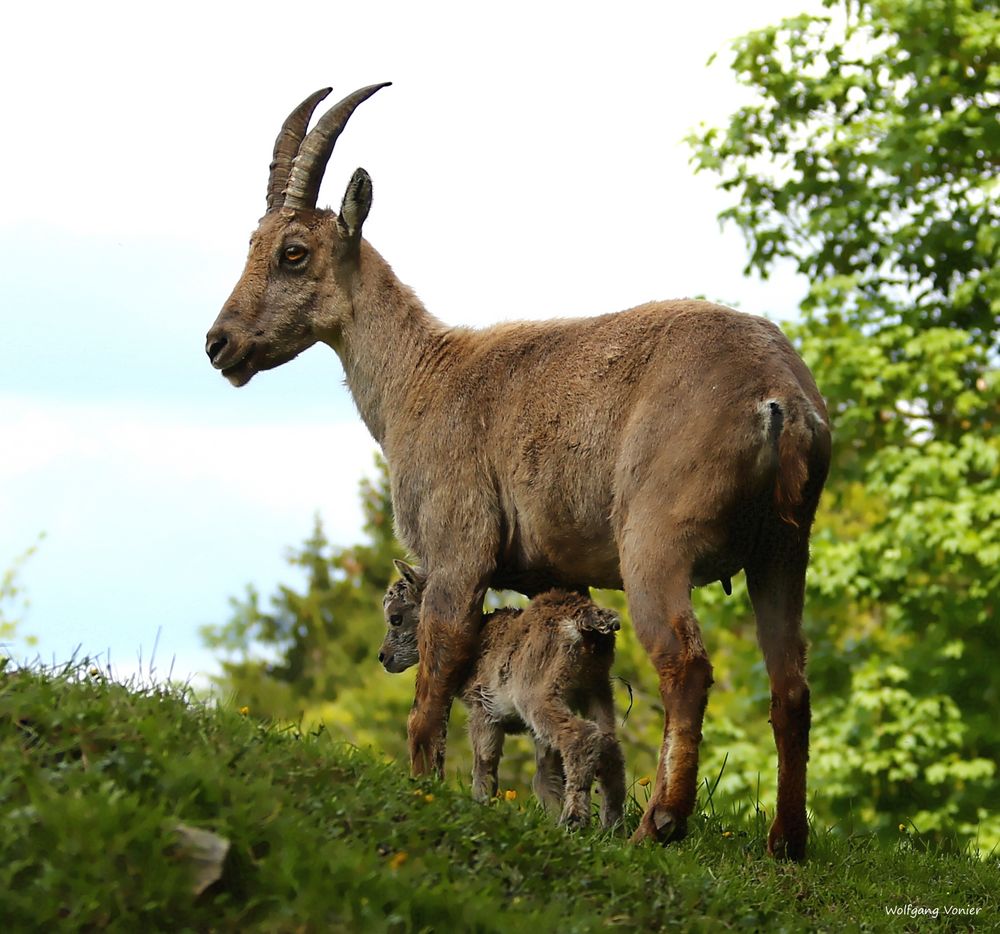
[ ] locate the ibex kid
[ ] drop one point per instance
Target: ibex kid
(533, 669)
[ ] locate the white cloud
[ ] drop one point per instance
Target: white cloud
(283, 468)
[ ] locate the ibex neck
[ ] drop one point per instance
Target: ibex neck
(386, 344)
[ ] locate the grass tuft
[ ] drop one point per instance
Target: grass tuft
(97, 777)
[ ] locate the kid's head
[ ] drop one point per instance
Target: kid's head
(401, 608)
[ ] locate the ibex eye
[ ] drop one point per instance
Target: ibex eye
(294, 254)
(396, 620)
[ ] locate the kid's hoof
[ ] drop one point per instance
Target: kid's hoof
(661, 825)
(573, 821)
(787, 845)
(612, 822)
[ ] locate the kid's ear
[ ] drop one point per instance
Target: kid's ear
(356, 204)
(600, 620)
(415, 577)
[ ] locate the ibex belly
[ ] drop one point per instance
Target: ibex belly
(562, 532)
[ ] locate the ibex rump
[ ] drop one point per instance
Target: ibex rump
(654, 449)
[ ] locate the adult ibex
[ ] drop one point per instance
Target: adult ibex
(652, 450)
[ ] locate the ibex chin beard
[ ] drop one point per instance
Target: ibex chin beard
(242, 371)
(253, 361)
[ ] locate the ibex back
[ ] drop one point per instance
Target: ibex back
(652, 450)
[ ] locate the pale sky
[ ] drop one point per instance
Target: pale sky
(527, 162)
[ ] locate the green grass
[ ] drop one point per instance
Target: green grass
(94, 778)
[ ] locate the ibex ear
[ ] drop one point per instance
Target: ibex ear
(356, 204)
(415, 577)
(600, 620)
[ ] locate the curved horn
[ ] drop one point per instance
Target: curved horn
(286, 146)
(314, 153)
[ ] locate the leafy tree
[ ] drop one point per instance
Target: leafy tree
(320, 640)
(869, 160)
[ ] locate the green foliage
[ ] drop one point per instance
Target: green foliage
(870, 161)
(871, 158)
(322, 640)
(95, 778)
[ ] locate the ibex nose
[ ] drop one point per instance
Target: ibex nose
(381, 656)
(214, 347)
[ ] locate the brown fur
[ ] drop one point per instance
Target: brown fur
(533, 669)
(653, 449)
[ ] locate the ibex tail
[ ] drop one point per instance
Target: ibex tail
(802, 441)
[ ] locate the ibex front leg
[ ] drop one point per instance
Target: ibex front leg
(486, 738)
(448, 632)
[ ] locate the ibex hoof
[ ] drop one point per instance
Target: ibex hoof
(660, 824)
(612, 821)
(427, 762)
(574, 820)
(787, 844)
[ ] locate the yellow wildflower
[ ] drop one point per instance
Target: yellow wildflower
(428, 798)
(644, 781)
(244, 711)
(510, 794)
(398, 859)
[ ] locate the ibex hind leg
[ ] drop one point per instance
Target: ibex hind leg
(579, 745)
(776, 582)
(660, 604)
(549, 783)
(611, 779)
(611, 766)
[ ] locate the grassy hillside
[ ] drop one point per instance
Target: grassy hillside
(103, 789)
